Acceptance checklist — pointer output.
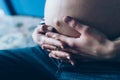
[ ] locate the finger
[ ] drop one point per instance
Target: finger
(48, 50)
(38, 32)
(75, 24)
(61, 54)
(35, 36)
(55, 35)
(57, 57)
(44, 28)
(41, 28)
(72, 62)
(53, 56)
(64, 39)
(50, 41)
(49, 47)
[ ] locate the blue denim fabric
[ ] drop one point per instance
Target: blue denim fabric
(30, 63)
(90, 71)
(34, 64)
(90, 76)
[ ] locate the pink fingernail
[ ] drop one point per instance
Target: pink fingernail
(68, 57)
(72, 63)
(50, 55)
(61, 47)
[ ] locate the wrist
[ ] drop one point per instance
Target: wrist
(107, 50)
(116, 50)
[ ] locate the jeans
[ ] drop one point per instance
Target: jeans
(33, 63)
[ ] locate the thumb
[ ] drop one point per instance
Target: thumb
(75, 24)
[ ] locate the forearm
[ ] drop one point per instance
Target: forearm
(111, 49)
(105, 50)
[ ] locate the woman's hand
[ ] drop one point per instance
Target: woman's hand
(91, 43)
(48, 43)
(42, 40)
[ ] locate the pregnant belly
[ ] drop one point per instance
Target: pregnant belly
(102, 15)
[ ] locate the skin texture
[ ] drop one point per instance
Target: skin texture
(40, 38)
(91, 44)
(102, 15)
(86, 34)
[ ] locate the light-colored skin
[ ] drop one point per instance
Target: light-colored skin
(40, 38)
(91, 44)
(102, 15)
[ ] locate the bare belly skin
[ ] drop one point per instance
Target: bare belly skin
(102, 15)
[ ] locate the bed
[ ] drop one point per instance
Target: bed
(15, 31)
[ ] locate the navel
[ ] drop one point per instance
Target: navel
(57, 23)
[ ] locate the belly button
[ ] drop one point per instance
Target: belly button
(57, 22)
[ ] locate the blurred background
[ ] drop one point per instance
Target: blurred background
(22, 7)
(18, 18)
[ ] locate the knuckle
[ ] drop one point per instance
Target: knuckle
(50, 28)
(41, 28)
(54, 53)
(71, 43)
(40, 40)
(68, 55)
(86, 28)
(56, 36)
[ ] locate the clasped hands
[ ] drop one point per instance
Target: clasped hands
(90, 45)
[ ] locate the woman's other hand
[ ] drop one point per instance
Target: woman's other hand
(91, 43)
(44, 41)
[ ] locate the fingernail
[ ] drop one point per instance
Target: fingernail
(50, 55)
(67, 19)
(61, 47)
(48, 34)
(72, 63)
(68, 57)
(48, 50)
(50, 28)
(42, 47)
